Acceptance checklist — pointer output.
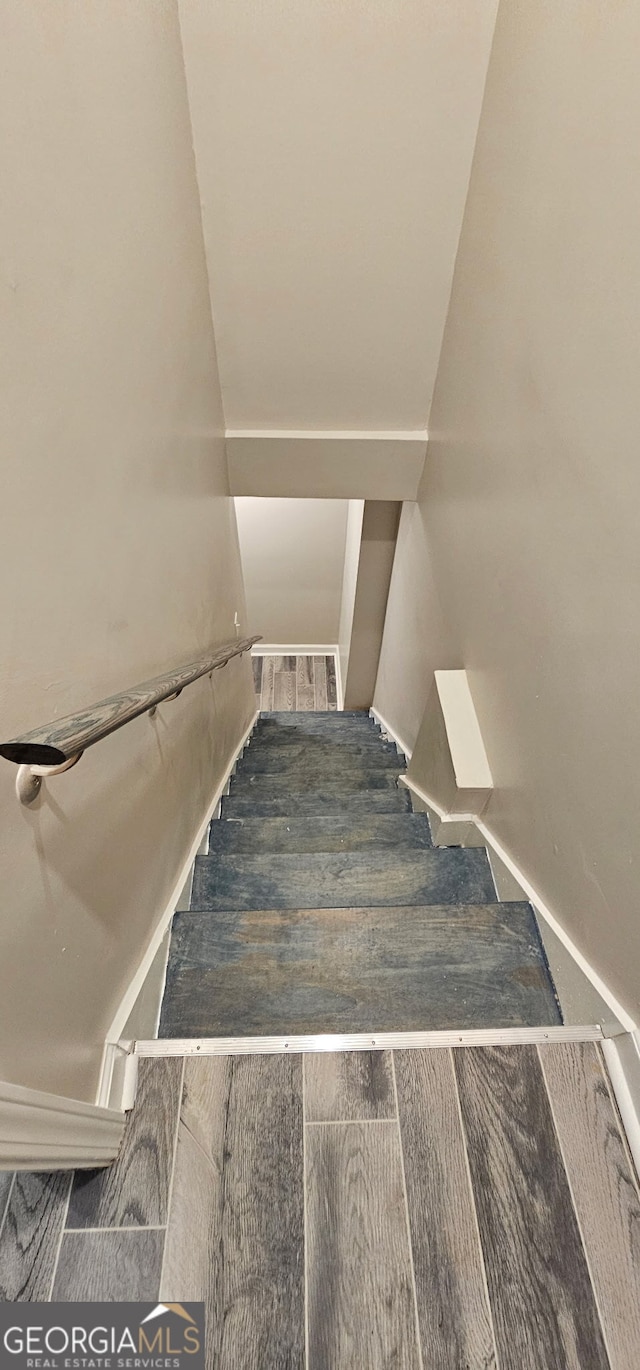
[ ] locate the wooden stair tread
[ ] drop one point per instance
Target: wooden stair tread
(325, 879)
(409, 968)
(353, 780)
(322, 833)
(320, 801)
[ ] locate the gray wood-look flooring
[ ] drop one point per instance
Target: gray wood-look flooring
(236, 1229)
(605, 1197)
(113, 1266)
(295, 682)
(455, 1322)
(461, 1210)
(133, 1192)
(548, 1317)
(360, 1298)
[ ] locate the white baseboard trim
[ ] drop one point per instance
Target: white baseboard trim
(363, 1041)
(622, 1057)
(108, 1082)
(295, 649)
(386, 728)
(40, 1131)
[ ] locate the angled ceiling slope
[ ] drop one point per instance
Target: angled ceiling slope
(333, 143)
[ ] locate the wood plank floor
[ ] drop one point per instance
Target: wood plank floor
(461, 1210)
(295, 682)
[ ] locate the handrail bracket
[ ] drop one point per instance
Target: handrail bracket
(29, 778)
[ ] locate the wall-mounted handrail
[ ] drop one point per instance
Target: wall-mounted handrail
(57, 743)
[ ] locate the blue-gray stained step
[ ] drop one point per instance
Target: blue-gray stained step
(399, 832)
(354, 780)
(332, 724)
(292, 718)
(252, 804)
(371, 744)
(318, 880)
(292, 735)
(323, 907)
(326, 756)
(341, 970)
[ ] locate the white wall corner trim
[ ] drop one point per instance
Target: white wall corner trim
(112, 1084)
(118, 1077)
(40, 1131)
(326, 465)
(339, 684)
(468, 754)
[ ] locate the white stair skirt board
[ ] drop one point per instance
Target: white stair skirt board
(40, 1131)
(363, 1041)
(467, 749)
(326, 465)
(115, 1085)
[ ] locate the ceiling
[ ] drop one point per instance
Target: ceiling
(333, 143)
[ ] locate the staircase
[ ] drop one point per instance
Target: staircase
(323, 907)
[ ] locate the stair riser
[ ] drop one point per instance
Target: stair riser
(293, 716)
(399, 832)
(320, 770)
(360, 733)
(319, 880)
(262, 757)
(253, 805)
(330, 725)
(349, 782)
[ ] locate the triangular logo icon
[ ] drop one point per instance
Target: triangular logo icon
(161, 1308)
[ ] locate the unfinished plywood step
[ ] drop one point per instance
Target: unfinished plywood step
(402, 969)
(399, 832)
(327, 879)
(320, 801)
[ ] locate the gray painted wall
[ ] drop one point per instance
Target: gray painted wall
(119, 554)
(526, 537)
(293, 553)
